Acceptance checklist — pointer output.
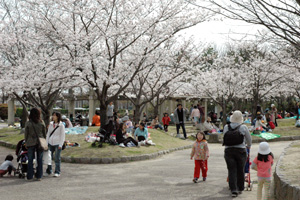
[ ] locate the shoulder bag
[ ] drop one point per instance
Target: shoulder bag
(42, 143)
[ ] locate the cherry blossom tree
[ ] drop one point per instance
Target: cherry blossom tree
(246, 71)
(156, 83)
(108, 42)
(279, 17)
(32, 69)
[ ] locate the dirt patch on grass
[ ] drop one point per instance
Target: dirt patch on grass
(290, 165)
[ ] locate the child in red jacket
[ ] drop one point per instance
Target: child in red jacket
(166, 120)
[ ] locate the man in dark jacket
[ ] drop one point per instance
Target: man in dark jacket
(179, 119)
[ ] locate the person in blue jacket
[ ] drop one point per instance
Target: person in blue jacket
(141, 132)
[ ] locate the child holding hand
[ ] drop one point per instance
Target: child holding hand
(200, 153)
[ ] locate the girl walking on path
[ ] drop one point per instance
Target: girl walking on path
(55, 140)
(263, 165)
(200, 153)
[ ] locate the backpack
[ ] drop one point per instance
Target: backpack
(233, 136)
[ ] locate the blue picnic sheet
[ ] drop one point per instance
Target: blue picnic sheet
(247, 121)
(76, 130)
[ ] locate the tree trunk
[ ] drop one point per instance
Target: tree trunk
(24, 116)
(224, 114)
(254, 106)
(103, 117)
(46, 116)
(137, 114)
(156, 112)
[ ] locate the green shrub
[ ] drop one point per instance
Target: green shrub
(19, 112)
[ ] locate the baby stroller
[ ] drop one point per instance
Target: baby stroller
(105, 135)
(22, 159)
(249, 184)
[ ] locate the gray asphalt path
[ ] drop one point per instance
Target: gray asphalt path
(167, 177)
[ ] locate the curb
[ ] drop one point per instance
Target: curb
(283, 189)
(122, 159)
(285, 138)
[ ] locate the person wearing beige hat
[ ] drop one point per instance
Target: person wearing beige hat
(235, 151)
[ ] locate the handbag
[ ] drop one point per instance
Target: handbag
(41, 141)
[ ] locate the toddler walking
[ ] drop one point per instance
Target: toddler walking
(200, 153)
(263, 165)
(166, 120)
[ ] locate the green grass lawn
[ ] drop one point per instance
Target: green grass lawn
(286, 127)
(163, 142)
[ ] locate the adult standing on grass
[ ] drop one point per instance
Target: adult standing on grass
(55, 140)
(273, 112)
(195, 114)
(235, 151)
(179, 119)
(110, 111)
(34, 129)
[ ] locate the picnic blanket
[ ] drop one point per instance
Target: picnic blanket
(267, 136)
(247, 121)
(291, 117)
(76, 130)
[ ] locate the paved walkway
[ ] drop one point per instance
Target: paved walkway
(3, 125)
(167, 177)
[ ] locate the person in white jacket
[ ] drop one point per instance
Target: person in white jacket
(55, 139)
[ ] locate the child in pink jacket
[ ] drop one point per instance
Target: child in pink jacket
(263, 164)
(200, 153)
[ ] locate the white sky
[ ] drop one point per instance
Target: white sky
(222, 32)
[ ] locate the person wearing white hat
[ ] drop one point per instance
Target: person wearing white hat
(263, 164)
(236, 135)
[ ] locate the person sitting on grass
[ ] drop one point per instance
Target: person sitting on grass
(209, 127)
(141, 133)
(67, 123)
(7, 166)
(120, 137)
(129, 126)
(270, 125)
(155, 123)
(96, 119)
(259, 125)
